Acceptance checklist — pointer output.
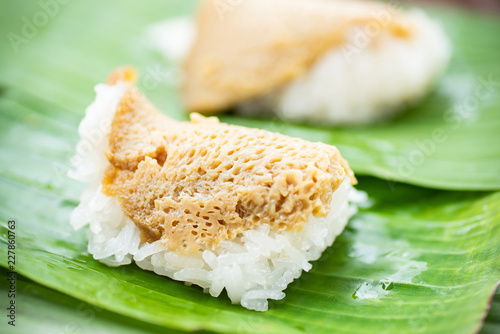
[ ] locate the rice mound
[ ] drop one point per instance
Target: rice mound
(254, 267)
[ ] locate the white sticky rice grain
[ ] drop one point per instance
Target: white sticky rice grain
(358, 84)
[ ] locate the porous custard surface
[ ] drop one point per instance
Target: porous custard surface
(195, 184)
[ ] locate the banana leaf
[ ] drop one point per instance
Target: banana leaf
(416, 260)
(42, 310)
(48, 311)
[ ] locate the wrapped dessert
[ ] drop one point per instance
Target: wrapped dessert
(324, 61)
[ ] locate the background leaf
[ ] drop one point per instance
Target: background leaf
(418, 260)
(42, 310)
(492, 321)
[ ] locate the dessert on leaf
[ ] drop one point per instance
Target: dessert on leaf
(328, 61)
(217, 205)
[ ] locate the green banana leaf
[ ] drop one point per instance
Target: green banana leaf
(416, 261)
(42, 310)
(48, 311)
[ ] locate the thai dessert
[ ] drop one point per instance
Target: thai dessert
(324, 61)
(220, 206)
